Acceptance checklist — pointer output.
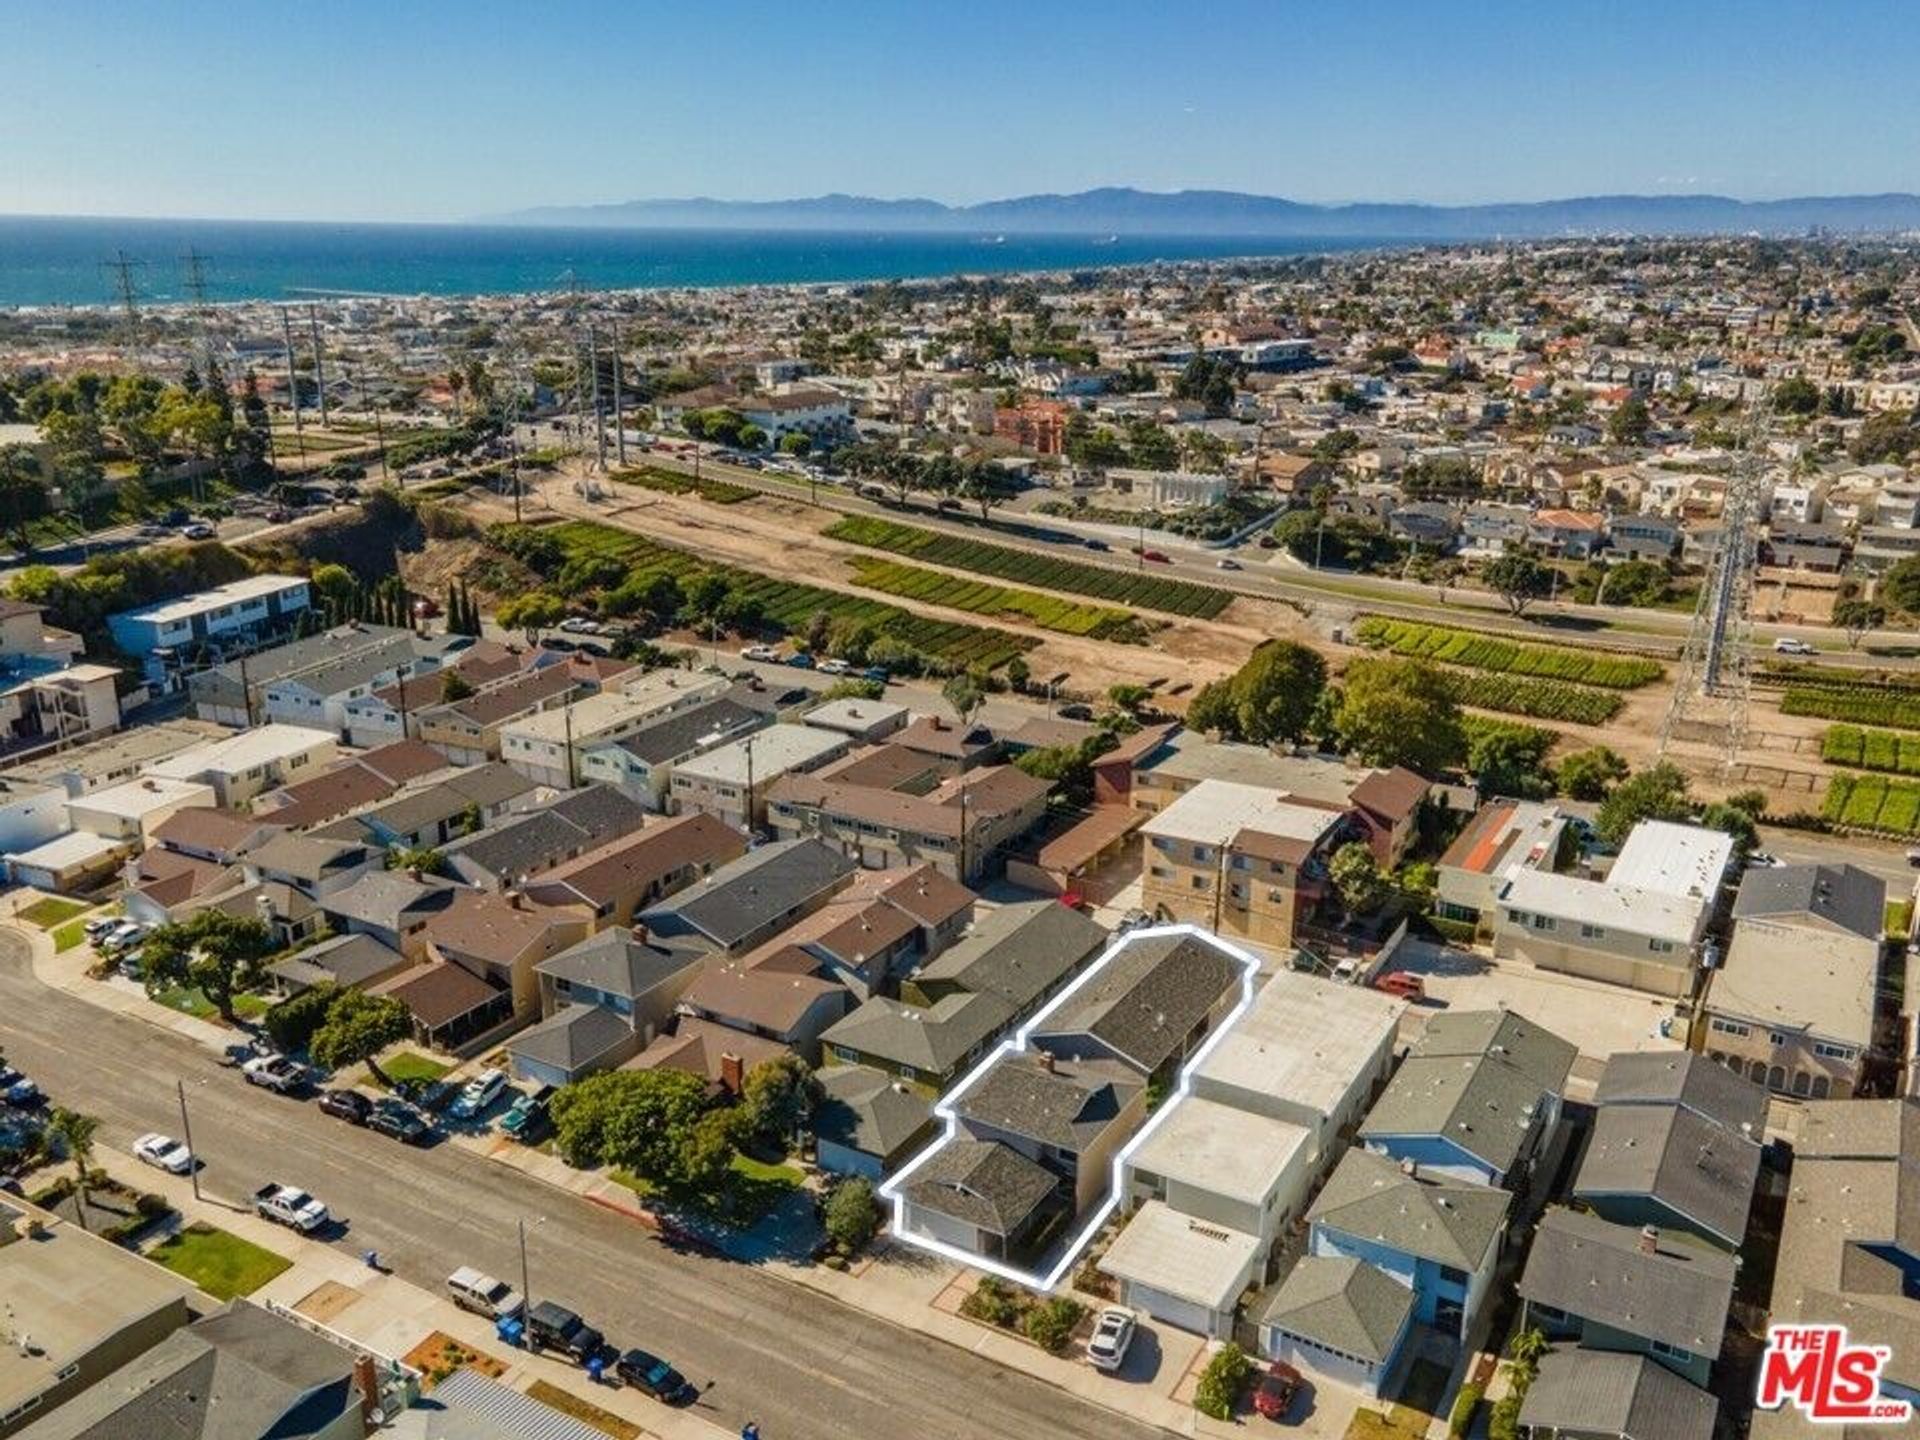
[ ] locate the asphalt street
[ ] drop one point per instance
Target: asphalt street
(805, 1366)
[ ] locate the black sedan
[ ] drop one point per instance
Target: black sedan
(348, 1105)
(399, 1120)
(655, 1376)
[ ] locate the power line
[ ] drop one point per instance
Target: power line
(121, 269)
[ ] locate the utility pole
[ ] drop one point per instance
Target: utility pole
(599, 424)
(319, 363)
(526, 1289)
(747, 816)
(293, 386)
(186, 1137)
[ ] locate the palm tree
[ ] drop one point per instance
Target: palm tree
(76, 1133)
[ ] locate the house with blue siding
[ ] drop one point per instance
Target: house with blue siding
(1476, 1099)
(1438, 1235)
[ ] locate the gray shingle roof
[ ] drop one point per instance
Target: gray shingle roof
(1536, 1052)
(528, 844)
(868, 1110)
(1592, 1392)
(1595, 1269)
(1690, 1165)
(680, 734)
(1149, 998)
(1069, 1106)
(1842, 896)
(931, 1040)
(981, 1183)
(619, 962)
(1680, 1077)
(1342, 1303)
(1451, 1222)
(573, 1037)
(1018, 952)
(743, 895)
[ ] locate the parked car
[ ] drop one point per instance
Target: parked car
(526, 1118)
(876, 672)
(20, 1092)
(1112, 1334)
(400, 1121)
(554, 1327)
(478, 1292)
(800, 660)
(835, 667)
(650, 1373)
(1787, 645)
(557, 645)
(348, 1105)
(1402, 984)
(163, 1152)
(276, 1073)
(198, 530)
(1226, 562)
(580, 625)
(1076, 712)
(477, 1094)
(124, 934)
(1273, 1395)
(285, 1205)
(1096, 544)
(766, 654)
(1156, 557)
(96, 929)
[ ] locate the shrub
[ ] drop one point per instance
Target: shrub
(292, 1022)
(1481, 651)
(993, 1301)
(852, 1216)
(1505, 1422)
(1221, 1382)
(1460, 1418)
(1050, 1323)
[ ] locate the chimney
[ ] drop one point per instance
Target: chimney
(1410, 1168)
(1649, 1239)
(733, 1073)
(413, 874)
(517, 900)
(263, 907)
(639, 929)
(1045, 1059)
(366, 1379)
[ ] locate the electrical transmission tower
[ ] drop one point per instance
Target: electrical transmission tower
(125, 290)
(1711, 699)
(195, 283)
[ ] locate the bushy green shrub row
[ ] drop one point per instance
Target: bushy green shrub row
(935, 587)
(1481, 651)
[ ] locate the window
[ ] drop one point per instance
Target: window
(1453, 1276)
(1832, 1052)
(1672, 1352)
(1731, 1027)
(1660, 947)
(1202, 882)
(1543, 922)
(1592, 932)
(1202, 854)
(1776, 1038)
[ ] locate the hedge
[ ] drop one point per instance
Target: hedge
(1480, 651)
(1049, 572)
(789, 605)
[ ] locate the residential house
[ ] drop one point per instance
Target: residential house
(1639, 1291)
(1503, 837)
(1595, 1395)
(641, 765)
(250, 763)
(1642, 537)
(1792, 1006)
(982, 1197)
(1640, 927)
(633, 871)
(864, 722)
(234, 694)
(1477, 1098)
(1238, 1169)
(1149, 1006)
(777, 991)
(732, 782)
(1576, 534)
(347, 962)
(316, 867)
(350, 785)
(927, 1046)
(1183, 1269)
(1670, 1166)
(529, 844)
(430, 814)
(1022, 952)
(603, 1000)
(867, 1122)
(546, 745)
(393, 906)
(1338, 1316)
(467, 731)
(751, 899)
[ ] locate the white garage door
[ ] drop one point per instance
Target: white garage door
(1175, 1311)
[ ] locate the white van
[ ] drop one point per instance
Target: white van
(482, 1294)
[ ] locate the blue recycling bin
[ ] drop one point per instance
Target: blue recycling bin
(511, 1329)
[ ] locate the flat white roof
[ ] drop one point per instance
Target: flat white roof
(596, 715)
(854, 715)
(1306, 1040)
(1672, 859)
(1606, 905)
(1180, 1256)
(774, 750)
(1222, 1149)
(76, 847)
(1214, 811)
(139, 798)
(259, 746)
(254, 587)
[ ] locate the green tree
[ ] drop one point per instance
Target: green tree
(851, 1217)
(531, 613)
(1519, 577)
(636, 1119)
(1856, 617)
(1272, 695)
(1357, 878)
(965, 695)
(1589, 774)
(1656, 793)
(1796, 395)
(358, 1027)
(218, 953)
(1630, 422)
(1510, 760)
(76, 1134)
(777, 1099)
(291, 1023)
(1049, 1323)
(702, 1161)
(1226, 1374)
(454, 686)
(424, 858)
(1400, 712)
(23, 492)
(1734, 821)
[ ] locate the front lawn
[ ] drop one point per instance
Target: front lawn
(223, 1265)
(409, 1065)
(754, 1188)
(188, 1000)
(67, 936)
(47, 913)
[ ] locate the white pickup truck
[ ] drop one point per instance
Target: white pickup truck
(287, 1206)
(275, 1072)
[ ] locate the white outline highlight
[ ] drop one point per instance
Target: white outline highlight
(890, 1188)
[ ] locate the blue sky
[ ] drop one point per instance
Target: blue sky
(388, 109)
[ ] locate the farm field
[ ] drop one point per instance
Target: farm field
(935, 587)
(1535, 699)
(672, 482)
(791, 605)
(1874, 802)
(1480, 651)
(1861, 749)
(1003, 562)
(1861, 703)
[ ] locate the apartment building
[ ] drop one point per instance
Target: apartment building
(546, 746)
(732, 781)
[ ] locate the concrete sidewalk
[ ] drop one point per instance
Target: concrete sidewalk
(390, 1315)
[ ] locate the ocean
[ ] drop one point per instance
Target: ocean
(57, 261)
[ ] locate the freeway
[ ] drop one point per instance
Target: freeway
(805, 1366)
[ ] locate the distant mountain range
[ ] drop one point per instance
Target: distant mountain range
(1125, 211)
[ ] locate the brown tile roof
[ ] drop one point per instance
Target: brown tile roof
(626, 867)
(438, 992)
(697, 1047)
(490, 927)
(206, 829)
(1396, 792)
(403, 760)
(765, 988)
(925, 894)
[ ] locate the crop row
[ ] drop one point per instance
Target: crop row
(1899, 709)
(672, 482)
(1871, 749)
(1481, 651)
(1536, 699)
(1874, 802)
(791, 606)
(1004, 562)
(982, 597)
